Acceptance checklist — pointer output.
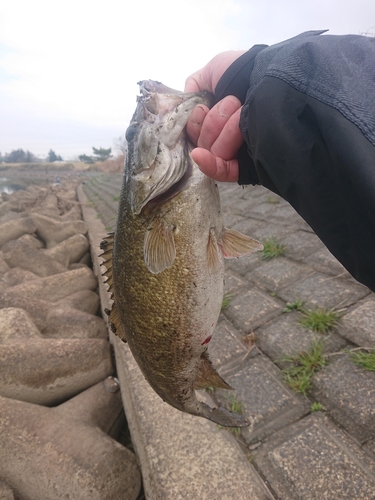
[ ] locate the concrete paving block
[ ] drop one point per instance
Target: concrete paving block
(358, 325)
(252, 308)
(267, 402)
(321, 290)
(181, 456)
(300, 244)
(62, 452)
(49, 371)
(284, 336)
(277, 273)
(271, 230)
(226, 347)
(323, 261)
(17, 325)
(348, 394)
(314, 460)
(233, 284)
(243, 265)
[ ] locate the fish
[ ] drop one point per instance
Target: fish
(165, 260)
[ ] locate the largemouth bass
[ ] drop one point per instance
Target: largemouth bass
(165, 261)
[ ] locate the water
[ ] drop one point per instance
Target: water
(8, 186)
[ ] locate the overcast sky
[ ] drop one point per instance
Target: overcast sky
(68, 70)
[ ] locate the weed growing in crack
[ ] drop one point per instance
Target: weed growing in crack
(363, 359)
(319, 320)
(272, 249)
(293, 306)
(303, 366)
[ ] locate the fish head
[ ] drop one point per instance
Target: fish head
(157, 156)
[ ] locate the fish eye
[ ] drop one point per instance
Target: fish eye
(130, 132)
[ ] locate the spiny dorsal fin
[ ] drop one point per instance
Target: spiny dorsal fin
(107, 246)
(213, 253)
(235, 244)
(159, 247)
(208, 376)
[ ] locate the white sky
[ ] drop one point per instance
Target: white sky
(68, 69)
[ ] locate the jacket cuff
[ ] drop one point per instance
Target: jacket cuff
(235, 80)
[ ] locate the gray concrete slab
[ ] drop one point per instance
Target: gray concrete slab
(266, 401)
(347, 392)
(314, 460)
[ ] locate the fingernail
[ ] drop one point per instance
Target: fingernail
(197, 115)
(228, 106)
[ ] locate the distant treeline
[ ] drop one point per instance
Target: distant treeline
(21, 156)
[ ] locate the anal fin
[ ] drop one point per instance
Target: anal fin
(208, 376)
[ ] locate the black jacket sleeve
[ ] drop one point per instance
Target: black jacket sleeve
(309, 126)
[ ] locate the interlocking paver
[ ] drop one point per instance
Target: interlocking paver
(314, 460)
(267, 402)
(321, 290)
(359, 324)
(348, 393)
(252, 308)
(285, 336)
(277, 273)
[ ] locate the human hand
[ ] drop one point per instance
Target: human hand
(216, 132)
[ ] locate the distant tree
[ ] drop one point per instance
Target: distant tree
(86, 159)
(101, 154)
(20, 156)
(52, 156)
(121, 144)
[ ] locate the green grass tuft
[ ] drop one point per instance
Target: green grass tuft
(293, 306)
(227, 299)
(365, 360)
(272, 249)
(116, 198)
(303, 366)
(319, 320)
(316, 407)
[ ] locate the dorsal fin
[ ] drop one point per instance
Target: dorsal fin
(208, 376)
(113, 317)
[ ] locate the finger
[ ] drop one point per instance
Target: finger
(230, 139)
(194, 124)
(192, 84)
(214, 167)
(216, 119)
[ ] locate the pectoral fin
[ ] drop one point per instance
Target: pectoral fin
(208, 376)
(235, 244)
(159, 246)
